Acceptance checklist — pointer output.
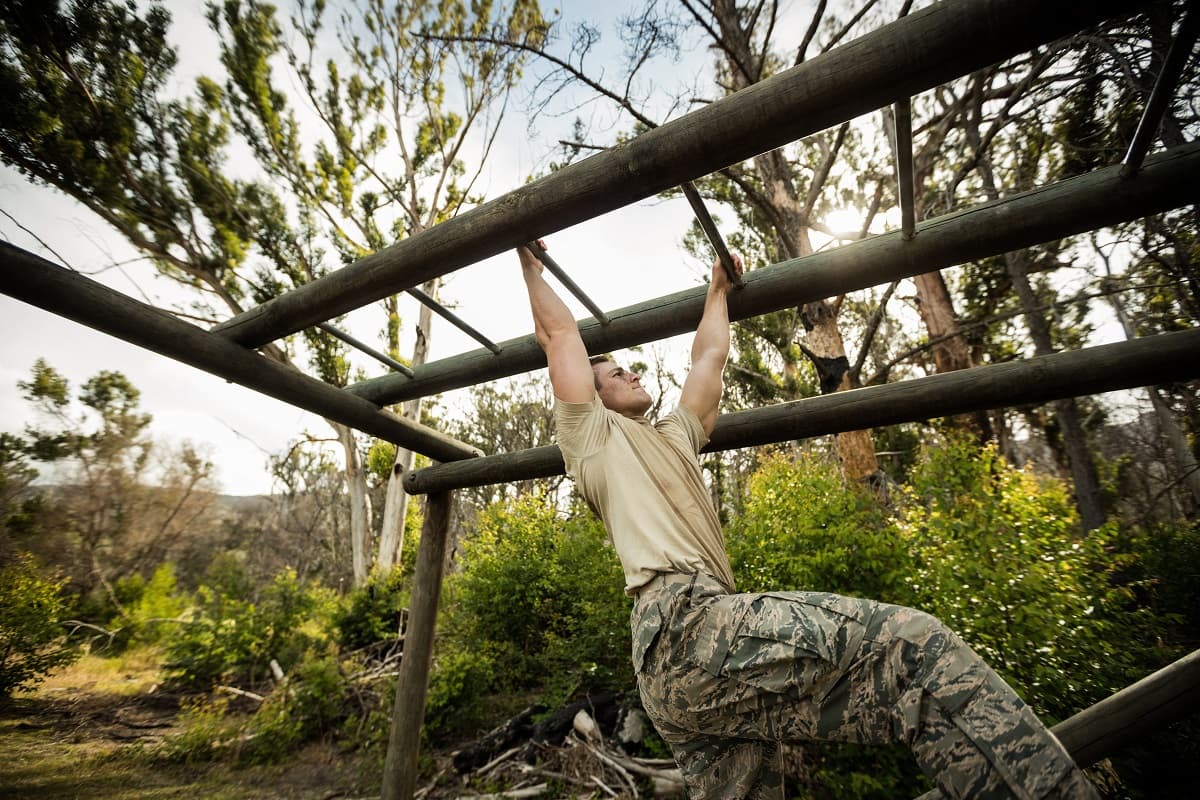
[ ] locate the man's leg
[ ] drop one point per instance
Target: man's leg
(721, 768)
(862, 671)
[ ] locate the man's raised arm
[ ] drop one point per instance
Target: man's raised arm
(557, 333)
(710, 349)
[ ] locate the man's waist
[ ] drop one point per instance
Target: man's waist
(666, 580)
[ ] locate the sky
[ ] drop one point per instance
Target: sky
(621, 258)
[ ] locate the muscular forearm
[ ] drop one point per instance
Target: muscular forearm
(712, 335)
(551, 317)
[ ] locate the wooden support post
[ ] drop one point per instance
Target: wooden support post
(408, 713)
(36, 281)
(1047, 213)
(924, 49)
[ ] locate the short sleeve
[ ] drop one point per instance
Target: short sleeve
(683, 425)
(581, 428)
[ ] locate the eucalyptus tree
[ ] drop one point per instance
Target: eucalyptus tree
(247, 186)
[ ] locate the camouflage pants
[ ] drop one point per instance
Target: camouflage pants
(726, 677)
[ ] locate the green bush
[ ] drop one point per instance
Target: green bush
(1004, 563)
(308, 705)
(543, 597)
(802, 528)
(32, 640)
(371, 614)
(231, 639)
(148, 610)
(458, 688)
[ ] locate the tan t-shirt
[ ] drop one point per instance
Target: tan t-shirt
(645, 482)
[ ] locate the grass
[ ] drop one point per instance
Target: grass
(94, 729)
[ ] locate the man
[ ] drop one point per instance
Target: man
(726, 677)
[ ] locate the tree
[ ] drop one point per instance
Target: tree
(108, 521)
(95, 119)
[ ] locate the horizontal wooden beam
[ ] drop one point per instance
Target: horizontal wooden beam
(36, 281)
(923, 50)
(1124, 365)
(1138, 710)
(1100, 198)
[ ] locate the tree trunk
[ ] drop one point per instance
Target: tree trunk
(934, 303)
(1088, 497)
(360, 505)
(395, 509)
(856, 450)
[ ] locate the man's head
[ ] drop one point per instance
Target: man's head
(619, 389)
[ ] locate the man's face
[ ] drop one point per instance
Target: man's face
(621, 390)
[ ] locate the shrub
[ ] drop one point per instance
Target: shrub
(371, 614)
(458, 686)
(803, 528)
(306, 706)
(32, 641)
(543, 597)
(228, 638)
(1004, 563)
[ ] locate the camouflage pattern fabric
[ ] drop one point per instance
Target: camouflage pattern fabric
(726, 677)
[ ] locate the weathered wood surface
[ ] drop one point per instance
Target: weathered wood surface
(1101, 198)
(34, 280)
(1122, 365)
(1146, 707)
(902, 114)
(911, 55)
(408, 713)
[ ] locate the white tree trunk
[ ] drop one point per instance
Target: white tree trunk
(360, 505)
(395, 508)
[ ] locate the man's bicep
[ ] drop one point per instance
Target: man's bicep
(702, 391)
(570, 372)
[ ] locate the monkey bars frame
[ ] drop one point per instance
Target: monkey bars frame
(888, 66)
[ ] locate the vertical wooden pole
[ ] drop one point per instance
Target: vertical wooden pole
(400, 766)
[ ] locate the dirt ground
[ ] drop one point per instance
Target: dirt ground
(90, 739)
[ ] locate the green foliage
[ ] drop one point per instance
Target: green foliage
(150, 608)
(231, 638)
(458, 691)
(371, 614)
(21, 506)
(307, 705)
(1003, 562)
(32, 641)
(803, 528)
(542, 596)
(206, 731)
